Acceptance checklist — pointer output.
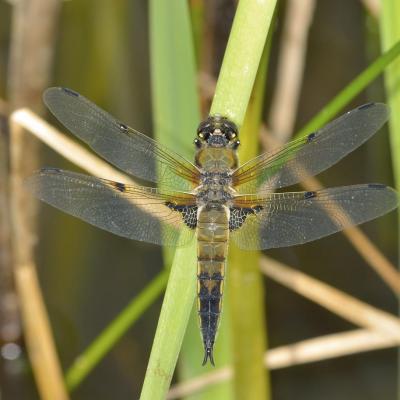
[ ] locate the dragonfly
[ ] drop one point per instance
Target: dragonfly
(213, 199)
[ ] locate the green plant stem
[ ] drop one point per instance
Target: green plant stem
(175, 115)
(351, 90)
(235, 84)
(245, 280)
(390, 34)
(192, 350)
(175, 102)
(174, 315)
(242, 57)
(110, 336)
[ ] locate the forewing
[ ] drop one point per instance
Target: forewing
(288, 219)
(134, 212)
(313, 154)
(122, 146)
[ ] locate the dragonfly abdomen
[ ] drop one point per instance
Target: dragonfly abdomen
(212, 236)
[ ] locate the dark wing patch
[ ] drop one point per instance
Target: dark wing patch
(189, 213)
(238, 216)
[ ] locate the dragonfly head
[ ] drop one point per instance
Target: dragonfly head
(217, 131)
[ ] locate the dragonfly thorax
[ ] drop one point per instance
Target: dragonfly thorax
(215, 188)
(216, 179)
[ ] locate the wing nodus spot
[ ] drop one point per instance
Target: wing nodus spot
(311, 137)
(70, 92)
(310, 195)
(365, 106)
(377, 186)
(123, 127)
(50, 170)
(120, 186)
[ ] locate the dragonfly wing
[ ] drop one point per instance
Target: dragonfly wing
(127, 149)
(308, 156)
(133, 212)
(288, 219)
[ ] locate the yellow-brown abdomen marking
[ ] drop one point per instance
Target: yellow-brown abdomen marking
(212, 235)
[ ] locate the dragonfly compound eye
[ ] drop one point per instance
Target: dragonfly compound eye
(229, 129)
(204, 135)
(204, 130)
(230, 135)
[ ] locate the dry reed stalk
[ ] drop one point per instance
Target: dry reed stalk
(334, 300)
(291, 60)
(368, 251)
(383, 330)
(10, 327)
(32, 43)
(70, 149)
(306, 351)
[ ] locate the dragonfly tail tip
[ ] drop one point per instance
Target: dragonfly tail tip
(208, 355)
